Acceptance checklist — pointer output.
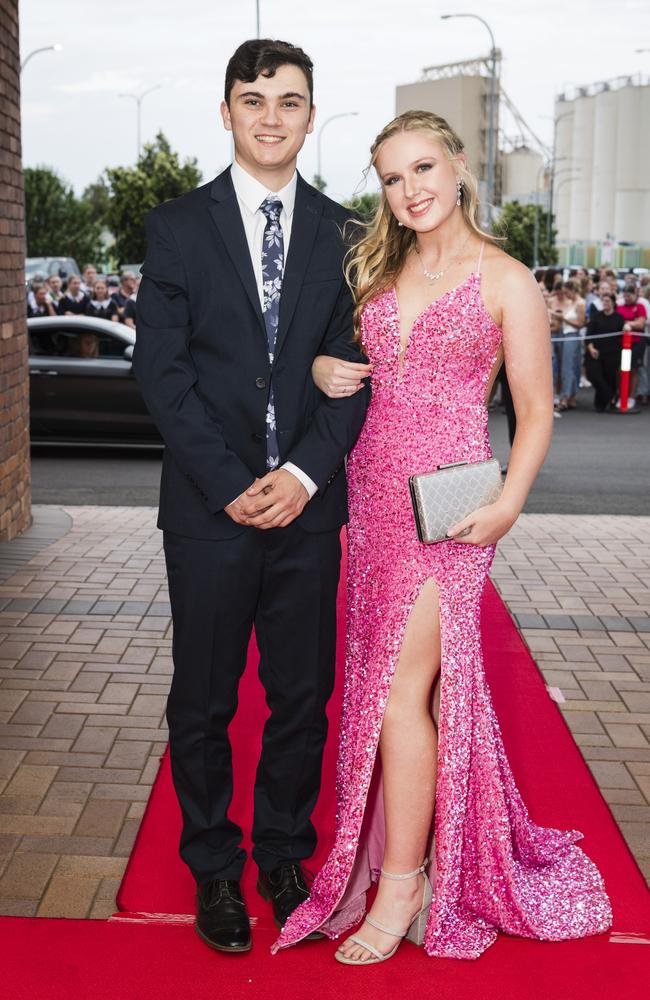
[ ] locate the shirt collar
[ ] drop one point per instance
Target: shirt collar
(252, 193)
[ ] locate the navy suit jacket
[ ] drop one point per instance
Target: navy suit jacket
(201, 357)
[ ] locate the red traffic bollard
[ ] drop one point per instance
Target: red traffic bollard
(626, 364)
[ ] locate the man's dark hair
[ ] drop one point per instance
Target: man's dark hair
(263, 56)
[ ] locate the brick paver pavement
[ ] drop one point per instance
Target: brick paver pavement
(579, 587)
(85, 664)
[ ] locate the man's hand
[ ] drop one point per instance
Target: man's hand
(241, 509)
(279, 498)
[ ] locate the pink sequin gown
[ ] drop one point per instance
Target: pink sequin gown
(493, 868)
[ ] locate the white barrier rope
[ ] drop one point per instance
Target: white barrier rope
(597, 336)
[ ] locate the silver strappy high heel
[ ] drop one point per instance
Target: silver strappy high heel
(414, 932)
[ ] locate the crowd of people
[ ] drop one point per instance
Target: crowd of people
(588, 314)
(85, 295)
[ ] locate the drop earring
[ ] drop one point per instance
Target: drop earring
(459, 189)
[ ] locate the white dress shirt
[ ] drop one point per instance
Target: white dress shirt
(250, 195)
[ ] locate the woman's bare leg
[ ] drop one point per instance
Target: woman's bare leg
(408, 746)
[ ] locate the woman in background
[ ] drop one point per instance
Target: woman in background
(101, 305)
(603, 355)
(73, 301)
(571, 323)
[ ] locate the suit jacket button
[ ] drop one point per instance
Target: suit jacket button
(260, 383)
(257, 438)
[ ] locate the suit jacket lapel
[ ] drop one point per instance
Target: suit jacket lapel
(307, 211)
(225, 213)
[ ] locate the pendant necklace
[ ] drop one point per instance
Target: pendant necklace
(435, 275)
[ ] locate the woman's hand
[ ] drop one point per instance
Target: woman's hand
(337, 378)
(484, 526)
(595, 353)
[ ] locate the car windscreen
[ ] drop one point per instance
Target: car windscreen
(35, 265)
(63, 266)
(61, 342)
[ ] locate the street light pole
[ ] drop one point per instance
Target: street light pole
(571, 170)
(138, 98)
(257, 20)
(567, 180)
(491, 111)
(45, 48)
(568, 170)
(549, 221)
(536, 226)
(343, 114)
(544, 166)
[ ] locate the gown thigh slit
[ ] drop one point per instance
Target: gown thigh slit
(492, 869)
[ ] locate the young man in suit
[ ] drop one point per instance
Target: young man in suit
(242, 288)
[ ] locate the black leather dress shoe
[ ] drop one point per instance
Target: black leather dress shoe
(286, 888)
(222, 921)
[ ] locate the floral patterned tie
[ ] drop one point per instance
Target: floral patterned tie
(272, 270)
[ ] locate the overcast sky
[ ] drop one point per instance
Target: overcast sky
(74, 121)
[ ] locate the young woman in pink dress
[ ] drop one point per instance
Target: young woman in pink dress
(439, 308)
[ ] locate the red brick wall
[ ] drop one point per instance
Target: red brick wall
(15, 492)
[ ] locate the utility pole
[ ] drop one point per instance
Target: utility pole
(491, 114)
(45, 48)
(549, 221)
(342, 114)
(138, 98)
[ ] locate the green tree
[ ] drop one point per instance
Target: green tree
(157, 176)
(364, 205)
(57, 222)
(319, 182)
(517, 224)
(97, 196)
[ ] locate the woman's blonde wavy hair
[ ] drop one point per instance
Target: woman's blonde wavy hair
(374, 262)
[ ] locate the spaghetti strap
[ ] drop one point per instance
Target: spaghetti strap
(480, 257)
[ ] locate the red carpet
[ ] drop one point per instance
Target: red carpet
(136, 957)
(93, 960)
(550, 771)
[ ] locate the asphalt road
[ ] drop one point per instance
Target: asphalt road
(598, 464)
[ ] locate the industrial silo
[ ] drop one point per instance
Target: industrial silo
(632, 197)
(564, 115)
(603, 185)
(603, 131)
(523, 177)
(580, 167)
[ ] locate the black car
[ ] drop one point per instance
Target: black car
(82, 387)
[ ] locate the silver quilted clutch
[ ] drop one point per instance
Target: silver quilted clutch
(446, 496)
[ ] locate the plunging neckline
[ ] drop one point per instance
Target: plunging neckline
(402, 357)
(401, 354)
